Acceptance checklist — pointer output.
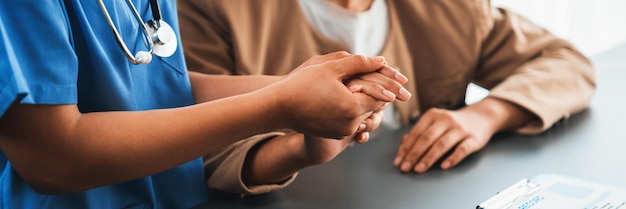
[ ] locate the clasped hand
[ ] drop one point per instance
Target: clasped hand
(331, 95)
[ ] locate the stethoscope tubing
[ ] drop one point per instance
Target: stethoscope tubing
(147, 38)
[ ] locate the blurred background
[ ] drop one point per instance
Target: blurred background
(593, 26)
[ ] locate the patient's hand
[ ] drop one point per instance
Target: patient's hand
(320, 150)
(439, 131)
(280, 157)
(461, 132)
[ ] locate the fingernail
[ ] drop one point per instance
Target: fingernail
(401, 78)
(420, 167)
(445, 165)
(365, 138)
(355, 88)
(396, 162)
(405, 93)
(378, 59)
(390, 94)
(361, 127)
(406, 166)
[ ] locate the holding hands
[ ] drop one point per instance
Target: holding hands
(332, 101)
(344, 98)
(367, 82)
(331, 95)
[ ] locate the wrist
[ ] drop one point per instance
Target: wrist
(500, 114)
(273, 160)
(277, 107)
(301, 150)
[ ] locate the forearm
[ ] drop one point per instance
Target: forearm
(553, 86)
(499, 115)
(275, 160)
(83, 151)
(211, 87)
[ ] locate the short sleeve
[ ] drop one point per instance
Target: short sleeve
(12, 84)
(41, 57)
(11, 87)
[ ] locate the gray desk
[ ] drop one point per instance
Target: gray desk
(590, 145)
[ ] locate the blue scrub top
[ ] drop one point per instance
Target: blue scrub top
(67, 54)
(12, 84)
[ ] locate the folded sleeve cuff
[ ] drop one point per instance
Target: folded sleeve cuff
(538, 124)
(223, 168)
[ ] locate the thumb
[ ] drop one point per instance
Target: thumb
(357, 64)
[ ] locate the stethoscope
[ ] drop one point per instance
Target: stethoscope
(159, 37)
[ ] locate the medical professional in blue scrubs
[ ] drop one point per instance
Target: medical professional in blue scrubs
(93, 130)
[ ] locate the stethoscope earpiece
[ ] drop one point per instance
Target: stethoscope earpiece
(143, 57)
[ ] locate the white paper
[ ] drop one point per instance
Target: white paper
(558, 191)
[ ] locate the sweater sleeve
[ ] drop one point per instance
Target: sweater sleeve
(223, 168)
(524, 64)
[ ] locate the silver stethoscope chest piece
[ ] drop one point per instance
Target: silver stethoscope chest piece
(163, 39)
(159, 36)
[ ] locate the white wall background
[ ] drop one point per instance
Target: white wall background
(593, 26)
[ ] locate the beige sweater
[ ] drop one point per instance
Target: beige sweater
(441, 45)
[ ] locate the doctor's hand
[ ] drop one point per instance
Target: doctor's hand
(372, 83)
(315, 101)
(463, 132)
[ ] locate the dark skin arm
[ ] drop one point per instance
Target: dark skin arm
(87, 150)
